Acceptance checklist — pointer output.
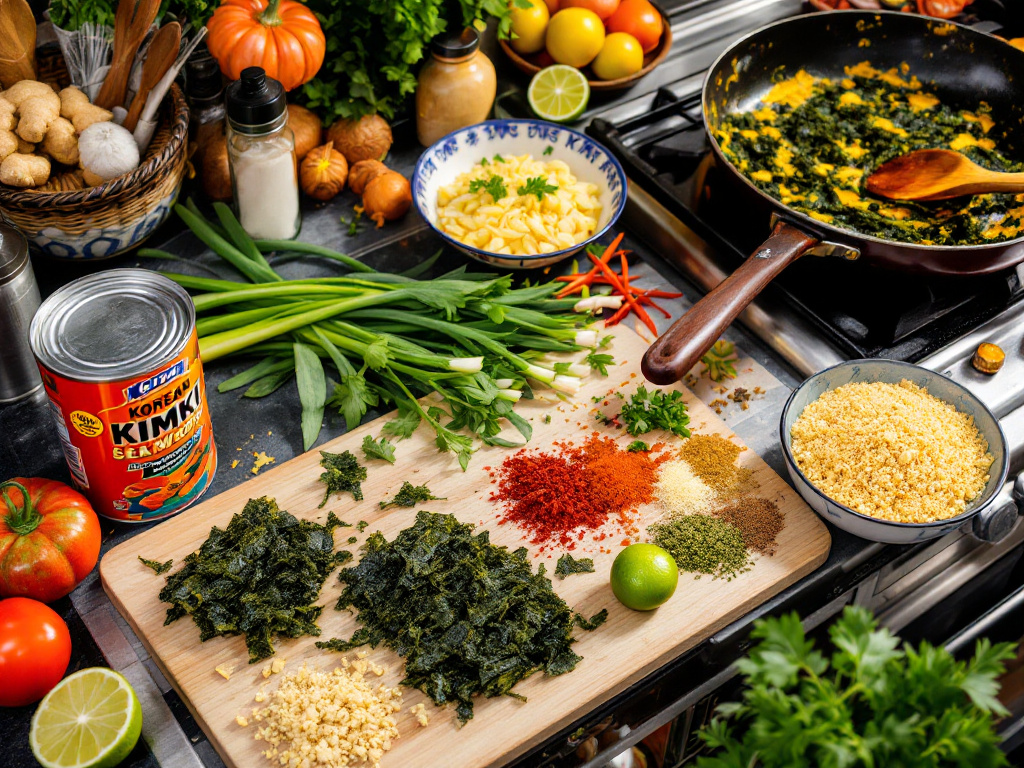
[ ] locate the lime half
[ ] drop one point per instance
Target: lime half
(91, 719)
(558, 93)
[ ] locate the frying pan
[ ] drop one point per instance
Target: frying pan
(958, 64)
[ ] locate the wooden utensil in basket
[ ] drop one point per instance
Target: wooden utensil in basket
(17, 42)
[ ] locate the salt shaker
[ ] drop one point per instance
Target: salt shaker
(261, 152)
(19, 300)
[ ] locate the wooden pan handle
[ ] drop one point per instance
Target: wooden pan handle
(682, 345)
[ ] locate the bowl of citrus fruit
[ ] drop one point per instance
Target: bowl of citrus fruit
(612, 42)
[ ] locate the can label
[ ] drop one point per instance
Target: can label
(142, 448)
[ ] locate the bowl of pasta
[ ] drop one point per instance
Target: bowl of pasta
(518, 194)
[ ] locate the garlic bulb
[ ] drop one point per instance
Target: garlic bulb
(107, 150)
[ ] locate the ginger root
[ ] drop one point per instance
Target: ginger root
(75, 106)
(8, 143)
(7, 119)
(20, 170)
(61, 143)
(25, 147)
(37, 106)
(69, 181)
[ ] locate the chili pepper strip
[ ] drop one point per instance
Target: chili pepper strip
(605, 258)
(630, 299)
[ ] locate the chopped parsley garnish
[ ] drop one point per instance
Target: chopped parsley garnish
(379, 449)
(537, 185)
(638, 446)
(646, 411)
(548, 150)
(494, 186)
(568, 565)
(499, 159)
(409, 495)
(599, 361)
(344, 473)
(156, 565)
(361, 525)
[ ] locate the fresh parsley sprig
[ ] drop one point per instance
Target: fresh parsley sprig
(646, 411)
(494, 186)
(537, 185)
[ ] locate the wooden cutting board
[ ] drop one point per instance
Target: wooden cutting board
(627, 647)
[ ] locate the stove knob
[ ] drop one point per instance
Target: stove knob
(996, 522)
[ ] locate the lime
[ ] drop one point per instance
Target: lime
(91, 719)
(644, 576)
(558, 93)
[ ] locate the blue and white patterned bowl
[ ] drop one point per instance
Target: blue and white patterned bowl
(460, 150)
(893, 372)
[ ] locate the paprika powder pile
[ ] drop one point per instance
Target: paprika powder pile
(558, 497)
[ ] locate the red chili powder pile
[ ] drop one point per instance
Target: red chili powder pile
(557, 497)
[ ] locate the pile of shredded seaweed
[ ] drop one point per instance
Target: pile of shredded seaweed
(259, 577)
(813, 142)
(471, 618)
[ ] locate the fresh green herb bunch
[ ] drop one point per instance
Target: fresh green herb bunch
(259, 577)
(870, 704)
(646, 411)
(470, 618)
(374, 47)
(70, 15)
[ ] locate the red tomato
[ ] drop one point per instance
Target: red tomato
(35, 649)
(603, 8)
(942, 9)
(640, 19)
(49, 542)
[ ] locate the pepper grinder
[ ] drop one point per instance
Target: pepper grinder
(19, 300)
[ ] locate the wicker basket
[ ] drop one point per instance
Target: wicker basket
(103, 221)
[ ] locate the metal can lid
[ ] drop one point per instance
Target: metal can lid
(13, 252)
(112, 325)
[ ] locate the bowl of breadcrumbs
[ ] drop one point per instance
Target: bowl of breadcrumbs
(892, 452)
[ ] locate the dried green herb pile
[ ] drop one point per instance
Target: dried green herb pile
(567, 565)
(343, 472)
(409, 495)
(259, 577)
(470, 618)
(703, 544)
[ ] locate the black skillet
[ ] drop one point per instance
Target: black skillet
(960, 65)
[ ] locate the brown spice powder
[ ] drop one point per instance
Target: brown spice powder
(713, 459)
(759, 521)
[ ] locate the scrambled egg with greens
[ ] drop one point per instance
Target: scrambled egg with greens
(813, 142)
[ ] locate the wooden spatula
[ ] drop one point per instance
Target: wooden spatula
(938, 174)
(131, 23)
(159, 58)
(17, 42)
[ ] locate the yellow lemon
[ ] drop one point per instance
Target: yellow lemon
(575, 36)
(620, 56)
(528, 27)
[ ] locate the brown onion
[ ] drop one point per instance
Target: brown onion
(359, 175)
(306, 127)
(368, 138)
(387, 197)
(215, 169)
(323, 172)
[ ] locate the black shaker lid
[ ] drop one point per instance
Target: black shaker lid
(455, 45)
(202, 75)
(255, 100)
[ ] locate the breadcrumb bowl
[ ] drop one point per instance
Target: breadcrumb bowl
(874, 475)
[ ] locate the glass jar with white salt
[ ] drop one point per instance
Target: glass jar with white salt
(261, 153)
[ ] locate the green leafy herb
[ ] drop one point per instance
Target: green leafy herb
(647, 411)
(344, 473)
(259, 577)
(720, 361)
(547, 418)
(470, 618)
(484, 161)
(595, 249)
(156, 565)
(409, 495)
(568, 565)
(70, 15)
(548, 150)
(312, 383)
(537, 185)
(638, 446)
(361, 525)
(605, 341)
(352, 539)
(343, 556)
(379, 449)
(494, 186)
(593, 622)
(499, 159)
(599, 361)
(871, 703)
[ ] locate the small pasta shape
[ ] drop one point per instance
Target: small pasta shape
(519, 224)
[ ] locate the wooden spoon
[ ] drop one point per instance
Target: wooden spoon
(159, 58)
(131, 23)
(17, 42)
(938, 174)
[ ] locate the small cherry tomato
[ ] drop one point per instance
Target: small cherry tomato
(640, 19)
(35, 648)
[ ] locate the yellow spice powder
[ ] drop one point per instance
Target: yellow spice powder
(891, 451)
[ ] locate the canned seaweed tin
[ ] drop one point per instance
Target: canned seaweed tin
(119, 356)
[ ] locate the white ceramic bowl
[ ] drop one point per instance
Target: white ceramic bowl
(460, 150)
(893, 372)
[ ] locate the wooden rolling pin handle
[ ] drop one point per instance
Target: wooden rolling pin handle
(682, 346)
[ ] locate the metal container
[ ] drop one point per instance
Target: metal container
(19, 300)
(119, 355)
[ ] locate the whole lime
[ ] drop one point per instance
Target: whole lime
(644, 576)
